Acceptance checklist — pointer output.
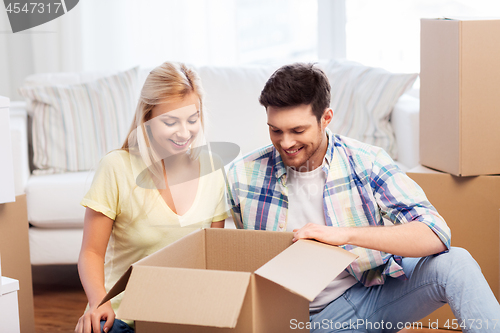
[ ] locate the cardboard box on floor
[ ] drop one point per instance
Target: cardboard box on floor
(220, 280)
(459, 99)
(16, 264)
(470, 206)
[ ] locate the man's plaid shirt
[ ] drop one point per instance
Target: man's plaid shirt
(364, 187)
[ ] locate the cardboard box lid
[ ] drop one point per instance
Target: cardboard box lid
(306, 267)
(158, 294)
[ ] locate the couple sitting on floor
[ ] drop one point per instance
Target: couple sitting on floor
(311, 181)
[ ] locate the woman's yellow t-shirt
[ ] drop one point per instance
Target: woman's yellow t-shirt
(143, 222)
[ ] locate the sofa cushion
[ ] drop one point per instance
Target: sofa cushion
(75, 125)
(54, 200)
(55, 246)
(233, 111)
(363, 99)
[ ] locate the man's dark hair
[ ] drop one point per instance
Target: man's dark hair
(297, 84)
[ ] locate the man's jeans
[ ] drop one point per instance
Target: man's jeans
(454, 278)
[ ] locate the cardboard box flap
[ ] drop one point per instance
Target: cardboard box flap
(243, 250)
(184, 296)
(306, 267)
(119, 286)
(187, 252)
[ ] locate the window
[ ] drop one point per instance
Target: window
(125, 33)
(270, 31)
(386, 33)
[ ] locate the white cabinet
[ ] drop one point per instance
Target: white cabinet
(9, 308)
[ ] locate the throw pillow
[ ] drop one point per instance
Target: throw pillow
(362, 101)
(75, 125)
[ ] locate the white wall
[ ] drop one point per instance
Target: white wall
(52, 47)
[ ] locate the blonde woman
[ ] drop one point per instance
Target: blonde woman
(149, 193)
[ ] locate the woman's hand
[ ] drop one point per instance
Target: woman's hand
(91, 319)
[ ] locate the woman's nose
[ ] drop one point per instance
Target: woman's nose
(183, 131)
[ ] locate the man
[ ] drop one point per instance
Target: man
(343, 192)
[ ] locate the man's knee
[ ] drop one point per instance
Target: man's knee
(460, 255)
(456, 258)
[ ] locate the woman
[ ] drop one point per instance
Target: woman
(149, 193)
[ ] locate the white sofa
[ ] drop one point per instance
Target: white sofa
(54, 213)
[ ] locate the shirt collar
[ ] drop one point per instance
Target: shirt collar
(280, 168)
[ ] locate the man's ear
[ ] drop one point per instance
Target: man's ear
(326, 118)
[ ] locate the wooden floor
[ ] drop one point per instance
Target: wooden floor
(60, 300)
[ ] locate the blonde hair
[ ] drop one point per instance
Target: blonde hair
(169, 81)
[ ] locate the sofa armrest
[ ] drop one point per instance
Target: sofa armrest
(19, 137)
(405, 121)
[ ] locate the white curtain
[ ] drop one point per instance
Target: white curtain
(119, 34)
(52, 47)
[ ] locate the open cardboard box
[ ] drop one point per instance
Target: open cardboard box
(220, 280)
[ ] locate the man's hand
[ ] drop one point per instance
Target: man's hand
(414, 239)
(322, 233)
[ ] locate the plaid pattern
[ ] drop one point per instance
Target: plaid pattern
(364, 187)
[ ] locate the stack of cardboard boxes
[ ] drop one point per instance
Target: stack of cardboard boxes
(460, 138)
